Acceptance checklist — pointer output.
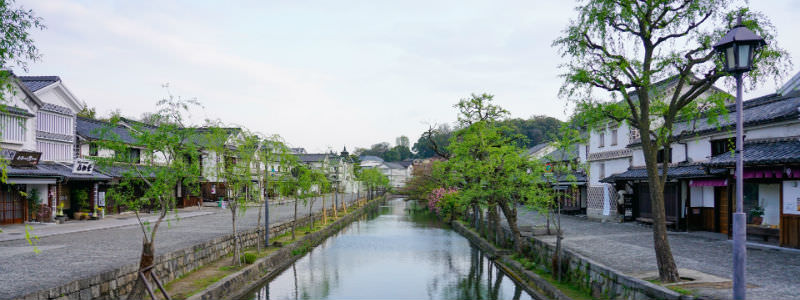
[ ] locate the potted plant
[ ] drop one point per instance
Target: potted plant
(81, 199)
(60, 217)
(757, 215)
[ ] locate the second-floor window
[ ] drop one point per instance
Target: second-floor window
(135, 155)
(602, 141)
(12, 128)
(722, 146)
(602, 171)
(613, 137)
(661, 155)
(93, 149)
(54, 123)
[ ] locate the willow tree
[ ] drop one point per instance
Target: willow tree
(168, 167)
(273, 156)
(625, 47)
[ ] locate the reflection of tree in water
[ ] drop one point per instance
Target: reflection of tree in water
(482, 281)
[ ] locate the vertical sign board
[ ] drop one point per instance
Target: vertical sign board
(791, 197)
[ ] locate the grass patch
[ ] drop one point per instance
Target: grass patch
(570, 289)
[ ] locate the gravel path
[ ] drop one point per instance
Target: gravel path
(628, 247)
(69, 256)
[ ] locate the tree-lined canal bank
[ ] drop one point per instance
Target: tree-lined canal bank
(396, 252)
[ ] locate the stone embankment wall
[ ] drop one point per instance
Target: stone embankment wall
(599, 280)
(238, 284)
(117, 283)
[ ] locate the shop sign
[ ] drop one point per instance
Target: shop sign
(82, 166)
(26, 159)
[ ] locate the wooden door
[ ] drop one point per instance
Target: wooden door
(790, 231)
(722, 204)
(11, 207)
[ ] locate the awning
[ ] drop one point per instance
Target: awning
(673, 172)
(708, 182)
(25, 180)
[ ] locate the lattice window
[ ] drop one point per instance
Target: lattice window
(13, 128)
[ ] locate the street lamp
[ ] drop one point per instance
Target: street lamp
(737, 50)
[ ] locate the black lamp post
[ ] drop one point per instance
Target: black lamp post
(737, 50)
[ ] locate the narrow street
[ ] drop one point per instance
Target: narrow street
(69, 256)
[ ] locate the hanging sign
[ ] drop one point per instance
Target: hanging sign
(82, 166)
(26, 159)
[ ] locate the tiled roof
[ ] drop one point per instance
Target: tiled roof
(371, 158)
(118, 170)
(92, 129)
(536, 148)
(610, 154)
(673, 172)
(762, 110)
(35, 83)
(57, 109)
(312, 157)
(778, 151)
(18, 111)
(561, 155)
(44, 169)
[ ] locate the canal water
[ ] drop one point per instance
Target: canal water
(398, 252)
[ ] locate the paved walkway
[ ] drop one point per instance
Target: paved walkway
(628, 247)
(93, 247)
(17, 231)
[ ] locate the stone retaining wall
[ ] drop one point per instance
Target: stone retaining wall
(117, 283)
(599, 280)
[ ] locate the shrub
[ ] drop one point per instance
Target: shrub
(250, 257)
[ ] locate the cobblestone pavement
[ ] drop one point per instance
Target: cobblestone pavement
(628, 247)
(69, 256)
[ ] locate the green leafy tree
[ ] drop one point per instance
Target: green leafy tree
(486, 163)
(548, 175)
(17, 48)
(434, 142)
(625, 47)
(234, 150)
(273, 156)
(170, 159)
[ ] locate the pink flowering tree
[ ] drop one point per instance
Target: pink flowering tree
(444, 202)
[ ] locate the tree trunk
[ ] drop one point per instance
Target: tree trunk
(311, 214)
(258, 226)
(236, 258)
(145, 260)
(667, 269)
(511, 218)
(335, 209)
(324, 211)
(294, 224)
(492, 224)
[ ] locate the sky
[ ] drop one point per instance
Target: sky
(322, 74)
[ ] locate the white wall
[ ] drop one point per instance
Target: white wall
(612, 166)
(18, 99)
(769, 196)
(774, 130)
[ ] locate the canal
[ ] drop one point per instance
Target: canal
(398, 252)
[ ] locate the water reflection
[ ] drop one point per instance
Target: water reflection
(400, 252)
